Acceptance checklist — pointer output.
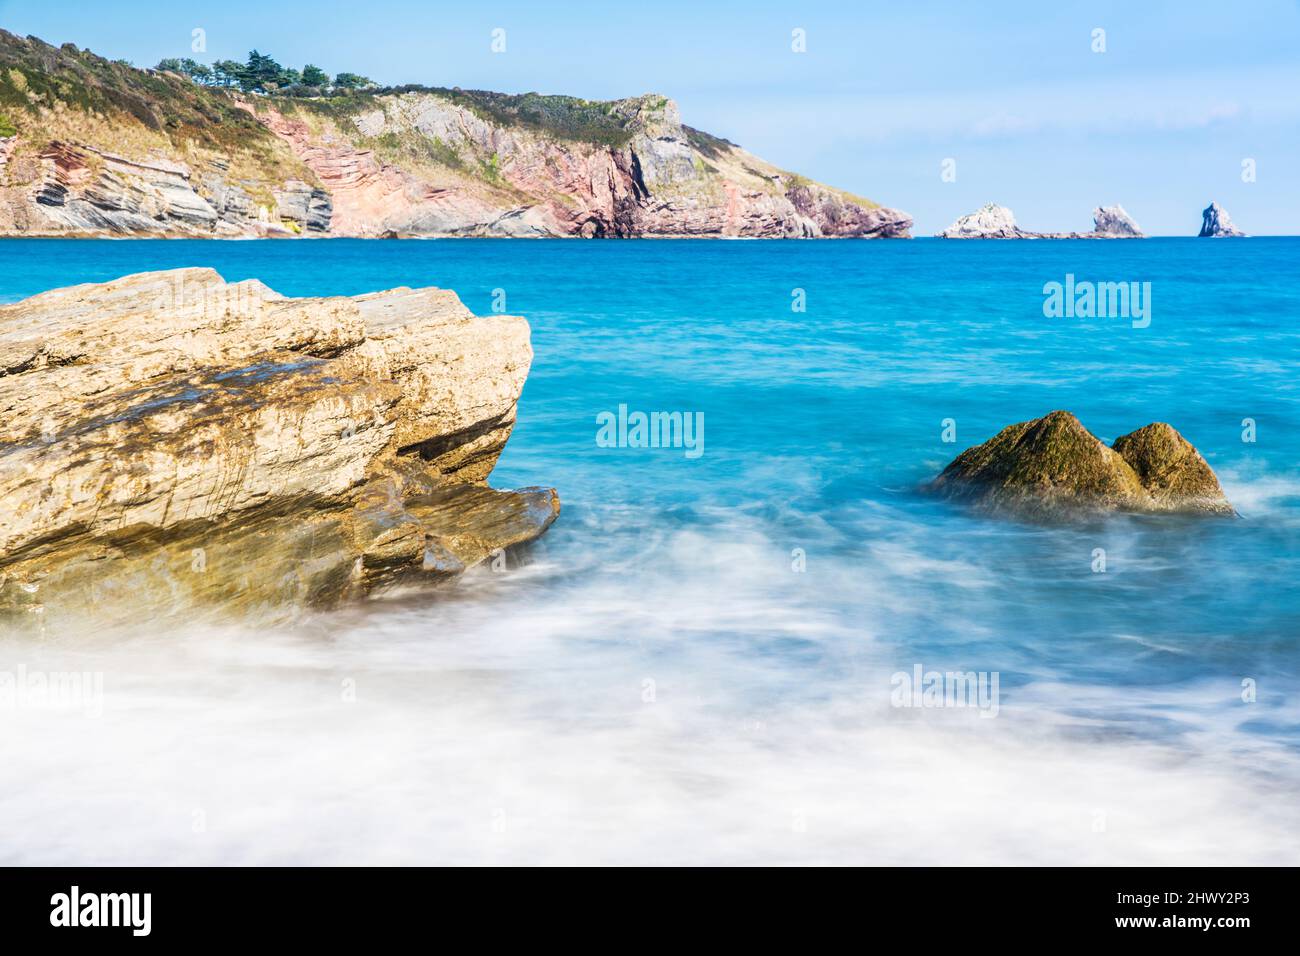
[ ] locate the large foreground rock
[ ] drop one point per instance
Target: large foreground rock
(172, 444)
(1054, 467)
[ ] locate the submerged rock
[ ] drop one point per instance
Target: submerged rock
(172, 444)
(1216, 223)
(1054, 467)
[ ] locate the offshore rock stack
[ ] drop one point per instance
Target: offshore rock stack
(1216, 224)
(992, 221)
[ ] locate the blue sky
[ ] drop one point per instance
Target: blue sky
(1160, 122)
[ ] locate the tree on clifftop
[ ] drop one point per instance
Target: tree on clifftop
(262, 74)
(352, 81)
(198, 72)
(227, 73)
(314, 76)
(260, 71)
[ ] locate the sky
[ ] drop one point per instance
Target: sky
(1018, 95)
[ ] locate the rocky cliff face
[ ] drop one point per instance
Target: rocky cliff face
(664, 180)
(175, 445)
(1054, 468)
(102, 149)
(81, 190)
(1216, 223)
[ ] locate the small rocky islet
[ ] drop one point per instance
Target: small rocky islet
(175, 446)
(1053, 468)
(1217, 224)
(992, 221)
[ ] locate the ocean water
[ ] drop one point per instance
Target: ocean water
(696, 664)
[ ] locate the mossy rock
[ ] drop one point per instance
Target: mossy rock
(1053, 467)
(1171, 470)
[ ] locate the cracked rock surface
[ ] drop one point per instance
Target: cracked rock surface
(173, 444)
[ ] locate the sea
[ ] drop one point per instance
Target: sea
(760, 647)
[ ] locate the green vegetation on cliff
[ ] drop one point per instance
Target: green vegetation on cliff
(188, 100)
(562, 117)
(36, 77)
(706, 143)
(260, 73)
(565, 117)
(245, 135)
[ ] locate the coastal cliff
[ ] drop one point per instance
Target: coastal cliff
(93, 147)
(175, 445)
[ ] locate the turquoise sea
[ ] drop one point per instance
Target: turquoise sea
(696, 663)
